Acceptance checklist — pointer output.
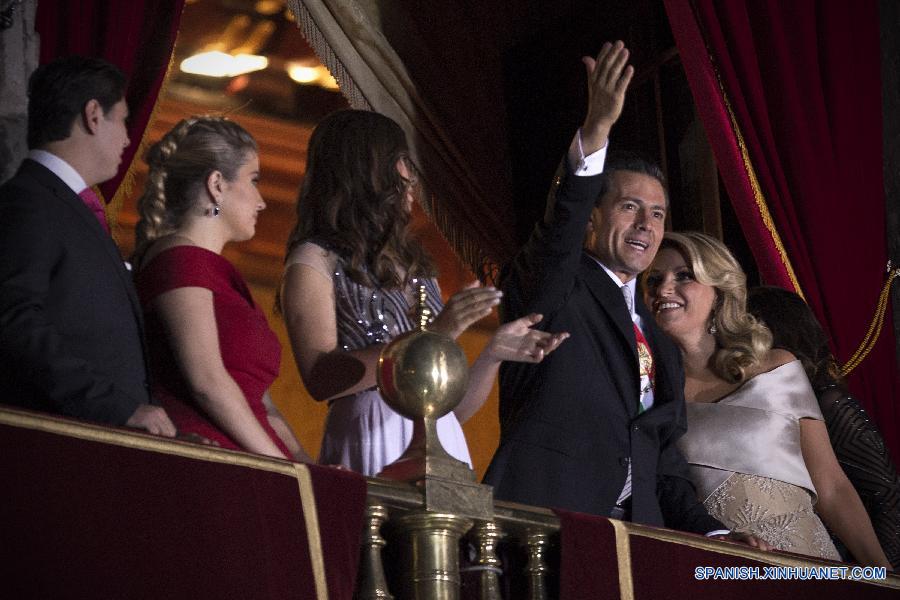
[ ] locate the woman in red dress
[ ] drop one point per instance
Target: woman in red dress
(212, 353)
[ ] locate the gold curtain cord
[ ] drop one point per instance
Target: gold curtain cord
(758, 195)
(875, 327)
(877, 323)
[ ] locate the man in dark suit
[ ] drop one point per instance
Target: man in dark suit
(592, 428)
(70, 323)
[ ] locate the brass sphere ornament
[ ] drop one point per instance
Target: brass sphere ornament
(422, 375)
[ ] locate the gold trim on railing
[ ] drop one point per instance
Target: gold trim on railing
(532, 525)
(623, 555)
(313, 535)
(773, 558)
(140, 441)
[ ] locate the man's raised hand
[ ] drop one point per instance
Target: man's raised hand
(608, 77)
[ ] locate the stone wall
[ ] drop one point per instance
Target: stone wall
(18, 58)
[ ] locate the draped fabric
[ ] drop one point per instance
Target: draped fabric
(137, 36)
(790, 96)
(607, 559)
(361, 42)
(97, 512)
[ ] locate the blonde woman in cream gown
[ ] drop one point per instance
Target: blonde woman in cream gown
(747, 464)
(756, 443)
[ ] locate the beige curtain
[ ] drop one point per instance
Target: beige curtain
(448, 101)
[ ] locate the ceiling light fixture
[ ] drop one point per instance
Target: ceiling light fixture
(302, 74)
(220, 64)
(316, 75)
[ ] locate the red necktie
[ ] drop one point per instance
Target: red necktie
(91, 200)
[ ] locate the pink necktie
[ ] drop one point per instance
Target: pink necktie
(91, 200)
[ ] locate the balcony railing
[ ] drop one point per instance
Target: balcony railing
(88, 511)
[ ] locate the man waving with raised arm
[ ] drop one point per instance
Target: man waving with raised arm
(593, 427)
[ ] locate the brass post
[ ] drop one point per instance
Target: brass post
(423, 375)
(538, 540)
(372, 584)
(486, 535)
(431, 565)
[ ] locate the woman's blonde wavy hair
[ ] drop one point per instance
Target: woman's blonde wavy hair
(741, 340)
(179, 165)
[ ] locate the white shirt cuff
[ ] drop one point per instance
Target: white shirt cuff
(585, 166)
(718, 532)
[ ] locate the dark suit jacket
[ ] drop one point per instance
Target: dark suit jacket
(569, 423)
(70, 323)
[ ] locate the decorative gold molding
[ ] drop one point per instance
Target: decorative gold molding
(313, 535)
(142, 441)
(623, 556)
(774, 558)
(512, 517)
(139, 441)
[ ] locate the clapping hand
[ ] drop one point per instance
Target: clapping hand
(464, 308)
(517, 341)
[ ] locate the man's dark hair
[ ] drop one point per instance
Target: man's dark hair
(58, 91)
(629, 162)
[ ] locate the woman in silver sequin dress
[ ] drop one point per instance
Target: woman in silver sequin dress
(756, 443)
(351, 271)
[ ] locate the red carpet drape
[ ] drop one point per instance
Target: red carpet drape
(790, 95)
(605, 559)
(95, 512)
(137, 36)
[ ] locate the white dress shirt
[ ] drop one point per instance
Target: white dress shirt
(60, 168)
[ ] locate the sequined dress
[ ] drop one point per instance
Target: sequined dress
(747, 465)
(362, 432)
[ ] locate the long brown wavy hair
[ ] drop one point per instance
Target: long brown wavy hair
(353, 199)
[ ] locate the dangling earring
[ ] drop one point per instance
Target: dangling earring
(712, 329)
(214, 211)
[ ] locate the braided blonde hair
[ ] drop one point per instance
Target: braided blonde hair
(180, 164)
(741, 340)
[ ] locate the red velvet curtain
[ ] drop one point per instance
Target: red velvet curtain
(790, 95)
(137, 36)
